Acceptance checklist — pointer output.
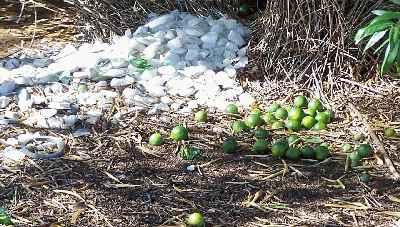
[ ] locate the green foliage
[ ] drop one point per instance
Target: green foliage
(383, 29)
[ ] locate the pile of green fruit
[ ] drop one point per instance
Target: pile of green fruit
(301, 115)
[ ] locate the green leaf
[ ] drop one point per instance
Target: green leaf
(392, 49)
(396, 2)
(381, 46)
(387, 13)
(371, 29)
(374, 39)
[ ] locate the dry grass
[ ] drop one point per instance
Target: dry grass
(311, 41)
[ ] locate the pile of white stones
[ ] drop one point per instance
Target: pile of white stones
(176, 62)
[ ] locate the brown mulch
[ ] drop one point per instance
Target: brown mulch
(113, 178)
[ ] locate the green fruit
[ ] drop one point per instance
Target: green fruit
(260, 146)
(389, 132)
(281, 114)
(277, 125)
(300, 101)
(323, 117)
(273, 107)
(308, 122)
(201, 116)
(244, 9)
(359, 136)
(365, 177)
(354, 156)
(346, 147)
(296, 114)
(179, 133)
(256, 111)
(315, 105)
(232, 109)
(5, 218)
(308, 152)
(364, 150)
(293, 125)
(269, 118)
(293, 153)
(293, 139)
(261, 133)
(321, 153)
(319, 126)
(253, 120)
(230, 146)
(355, 163)
(279, 148)
(195, 220)
(156, 139)
(310, 112)
(239, 126)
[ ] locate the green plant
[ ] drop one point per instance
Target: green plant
(189, 153)
(383, 29)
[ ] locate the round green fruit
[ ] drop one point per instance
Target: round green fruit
(364, 150)
(230, 146)
(319, 126)
(293, 153)
(355, 163)
(273, 107)
(201, 116)
(244, 9)
(308, 152)
(281, 114)
(260, 146)
(347, 147)
(293, 125)
(365, 177)
(321, 153)
(239, 126)
(354, 156)
(253, 120)
(261, 133)
(296, 114)
(279, 148)
(179, 133)
(323, 117)
(156, 139)
(389, 132)
(293, 139)
(308, 122)
(310, 112)
(269, 118)
(277, 125)
(256, 111)
(359, 136)
(315, 105)
(232, 109)
(195, 220)
(300, 101)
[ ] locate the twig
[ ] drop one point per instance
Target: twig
(381, 148)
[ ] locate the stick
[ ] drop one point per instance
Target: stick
(381, 148)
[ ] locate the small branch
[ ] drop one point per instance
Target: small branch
(381, 147)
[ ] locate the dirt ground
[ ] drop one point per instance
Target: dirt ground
(113, 178)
